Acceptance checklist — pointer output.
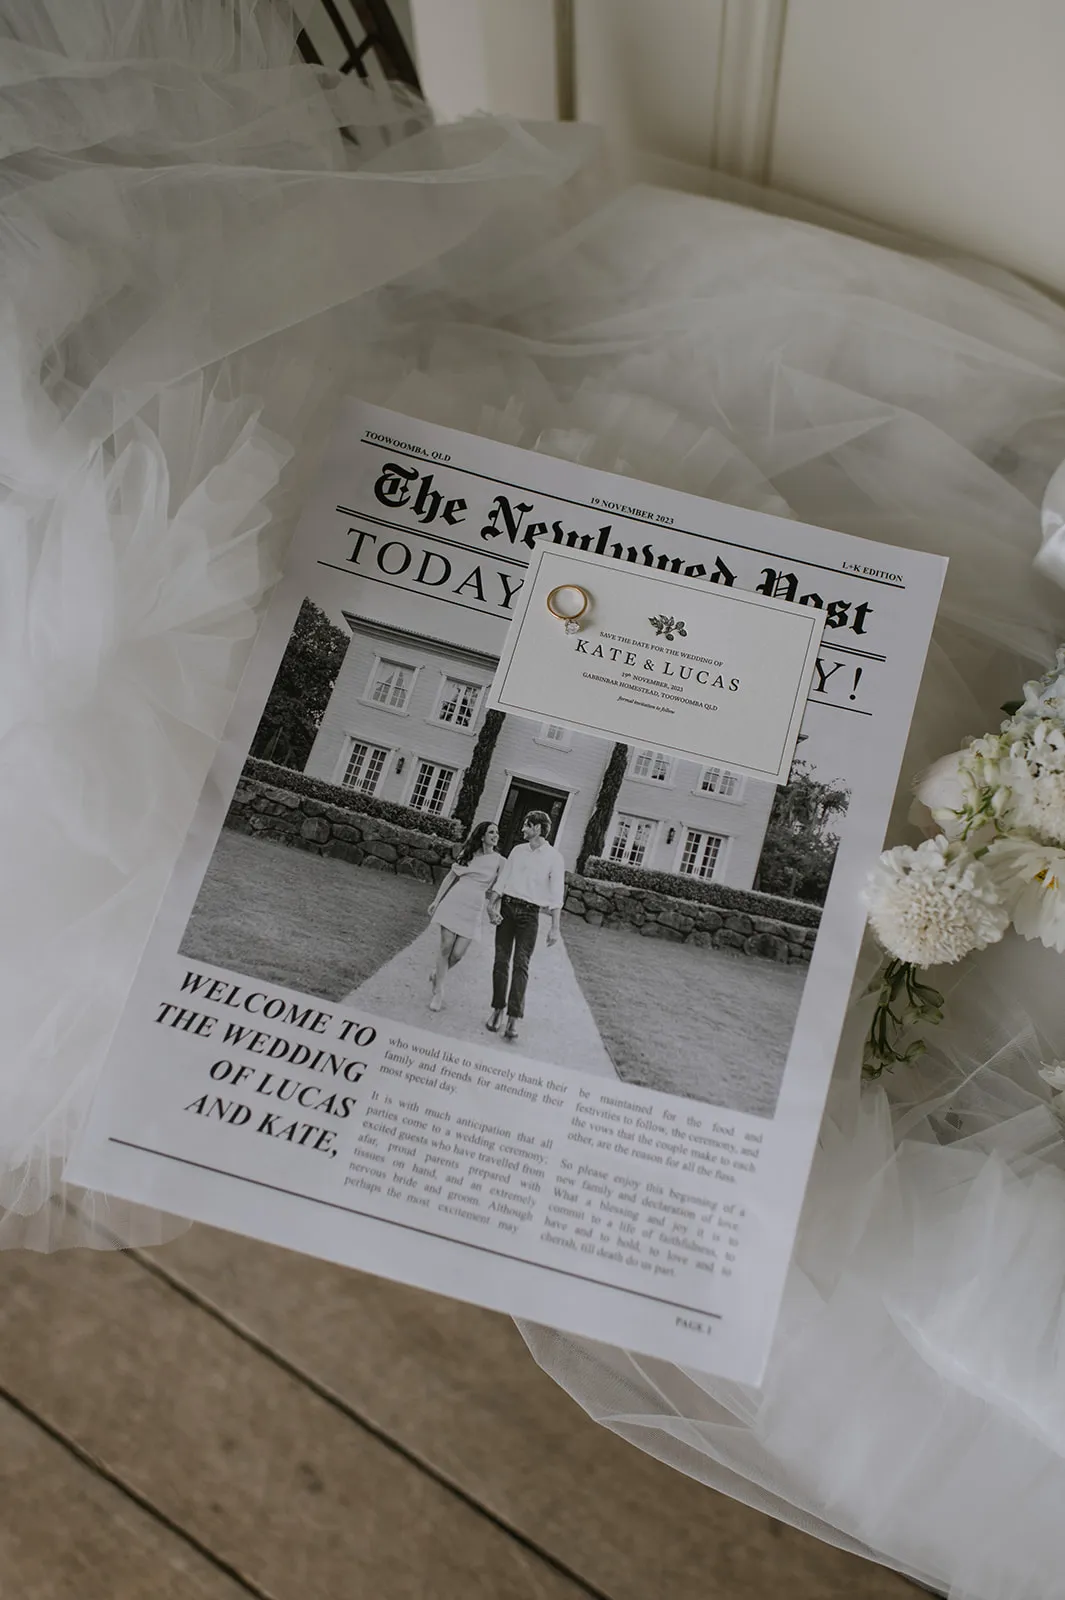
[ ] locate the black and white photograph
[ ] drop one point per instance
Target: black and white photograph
(397, 846)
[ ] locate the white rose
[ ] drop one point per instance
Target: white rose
(940, 786)
(944, 791)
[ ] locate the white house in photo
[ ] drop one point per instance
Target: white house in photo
(403, 721)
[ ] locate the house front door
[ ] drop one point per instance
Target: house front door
(523, 797)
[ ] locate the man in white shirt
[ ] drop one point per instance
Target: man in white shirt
(532, 879)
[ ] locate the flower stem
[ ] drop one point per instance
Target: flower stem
(903, 1002)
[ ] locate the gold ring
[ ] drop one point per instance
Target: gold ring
(568, 616)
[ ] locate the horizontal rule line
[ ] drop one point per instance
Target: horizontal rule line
(409, 1227)
(834, 705)
(644, 522)
(849, 650)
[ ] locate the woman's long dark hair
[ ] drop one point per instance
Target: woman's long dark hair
(473, 844)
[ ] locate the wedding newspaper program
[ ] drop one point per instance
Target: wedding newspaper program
(509, 951)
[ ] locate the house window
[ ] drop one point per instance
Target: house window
(364, 767)
(652, 766)
(431, 787)
(391, 685)
(701, 853)
(459, 703)
(720, 781)
(631, 840)
(554, 736)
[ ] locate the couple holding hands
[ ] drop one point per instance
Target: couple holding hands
(510, 891)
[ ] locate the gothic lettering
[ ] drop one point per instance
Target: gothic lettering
(393, 486)
(505, 518)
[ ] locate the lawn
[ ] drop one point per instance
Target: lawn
(309, 922)
(703, 1023)
(709, 1024)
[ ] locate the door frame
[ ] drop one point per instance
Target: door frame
(557, 791)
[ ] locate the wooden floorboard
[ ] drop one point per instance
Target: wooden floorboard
(67, 1533)
(283, 1485)
(456, 1387)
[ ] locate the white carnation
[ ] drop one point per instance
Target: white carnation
(1030, 877)
(934, 904)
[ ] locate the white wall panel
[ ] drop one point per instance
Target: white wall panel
(646, 70)
(487, 55)
(751, 42)
(946, 117)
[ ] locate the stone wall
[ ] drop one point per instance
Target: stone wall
(269, 812)
(662, 916)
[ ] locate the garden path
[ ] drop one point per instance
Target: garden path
(558, 1028)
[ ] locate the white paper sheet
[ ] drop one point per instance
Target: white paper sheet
(631, 1166)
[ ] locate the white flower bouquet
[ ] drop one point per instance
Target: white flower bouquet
(998, 860)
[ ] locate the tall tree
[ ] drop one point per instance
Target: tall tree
(301, 690)
(474, 777)
(799, 850)
(605, 801)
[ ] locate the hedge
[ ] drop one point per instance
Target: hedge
(335, 794)
(800, 913)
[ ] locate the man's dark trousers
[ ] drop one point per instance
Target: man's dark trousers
(515, 938)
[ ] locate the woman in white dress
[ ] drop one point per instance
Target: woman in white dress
(458, 908)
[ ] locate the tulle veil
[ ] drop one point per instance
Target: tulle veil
(204, 243)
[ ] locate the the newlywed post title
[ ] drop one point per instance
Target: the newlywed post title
(401, 486)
